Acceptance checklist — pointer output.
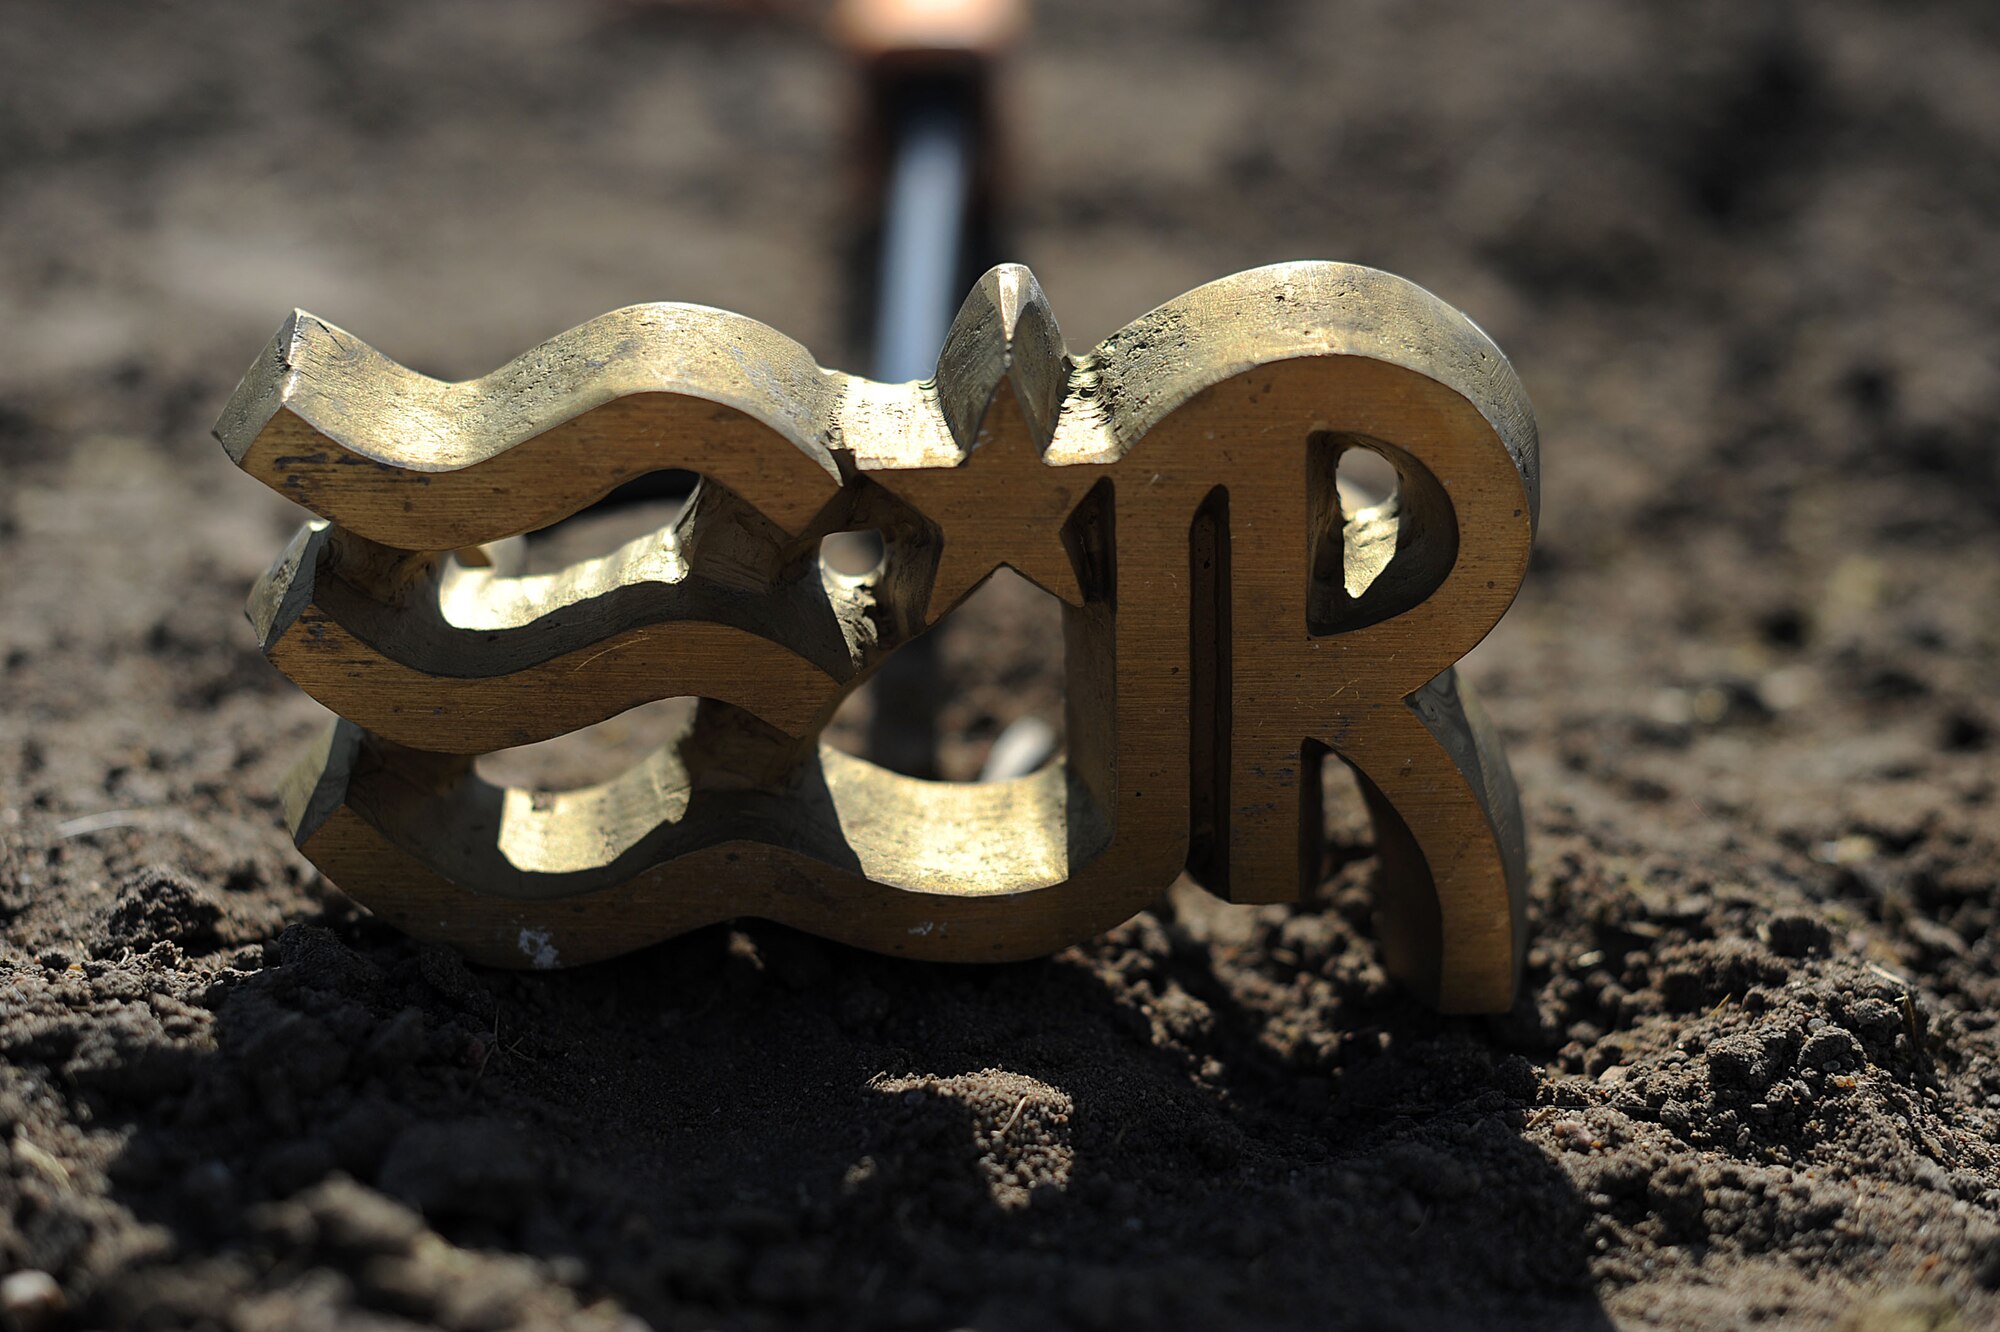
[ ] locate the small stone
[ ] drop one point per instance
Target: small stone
(1572, 1135)
(31, 1299)
(1831, 1049)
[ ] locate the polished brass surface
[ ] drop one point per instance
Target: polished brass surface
(1228, 619)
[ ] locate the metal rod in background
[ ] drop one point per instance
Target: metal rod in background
(929, 254)
(923, 257)
(927, 65)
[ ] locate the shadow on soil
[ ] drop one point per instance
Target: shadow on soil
(751, 1127)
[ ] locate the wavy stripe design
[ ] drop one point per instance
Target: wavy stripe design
(674, 859)
(469, 660)
(422, 464)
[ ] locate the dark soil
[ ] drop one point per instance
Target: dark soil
(1747, 258)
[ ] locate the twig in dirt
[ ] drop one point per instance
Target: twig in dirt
(1012, 1119)
(1888, 975)
(1912, 1027)
(513, 1048)
(491, 1043)
(1919, 1048)
(105, 822)
(43, 1160)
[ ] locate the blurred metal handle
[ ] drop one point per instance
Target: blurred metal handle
(927, 66)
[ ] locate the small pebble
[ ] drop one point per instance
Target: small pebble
(31, 1299)
(1832, 1049)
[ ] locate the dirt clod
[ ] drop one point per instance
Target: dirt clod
(156, 905)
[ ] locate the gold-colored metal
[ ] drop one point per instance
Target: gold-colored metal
(1226, 620)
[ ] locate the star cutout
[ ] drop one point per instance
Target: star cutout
(1000, 505)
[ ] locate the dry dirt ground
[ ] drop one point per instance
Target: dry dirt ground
(1747, 258)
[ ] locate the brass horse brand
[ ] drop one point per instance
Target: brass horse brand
(1227, 620)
